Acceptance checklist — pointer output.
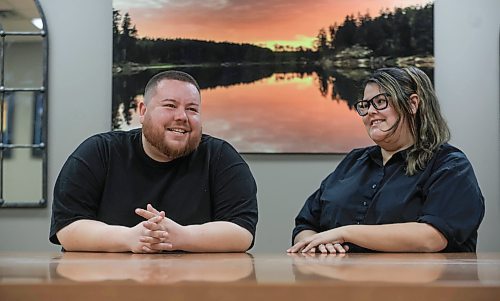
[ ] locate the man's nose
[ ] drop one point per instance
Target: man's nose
(180, 114)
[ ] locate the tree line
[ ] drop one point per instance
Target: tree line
(406, 31)
(402, 32)
(129, 48)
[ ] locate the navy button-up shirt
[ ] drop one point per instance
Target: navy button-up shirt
(362, 190)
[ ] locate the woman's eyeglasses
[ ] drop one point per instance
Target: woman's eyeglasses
(379, 102)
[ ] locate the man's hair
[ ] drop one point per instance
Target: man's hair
(427, 125)
(170, 74)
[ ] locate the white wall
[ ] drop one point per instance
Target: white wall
(467, 60)
(467, 81)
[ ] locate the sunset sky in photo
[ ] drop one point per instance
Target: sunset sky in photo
(260, 22)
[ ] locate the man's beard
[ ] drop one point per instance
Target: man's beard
(156, 137)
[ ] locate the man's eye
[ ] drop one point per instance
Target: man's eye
(193, 109)
(169, 105)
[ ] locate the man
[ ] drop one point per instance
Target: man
(164, 187)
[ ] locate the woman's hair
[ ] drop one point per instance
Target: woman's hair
(427, 125)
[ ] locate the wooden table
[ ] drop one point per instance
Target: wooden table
(76, 276)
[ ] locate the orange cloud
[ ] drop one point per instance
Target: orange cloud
(242, 21)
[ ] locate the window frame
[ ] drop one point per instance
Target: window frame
(41, 147)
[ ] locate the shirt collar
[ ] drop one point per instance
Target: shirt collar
(375, 153)
(372, 152)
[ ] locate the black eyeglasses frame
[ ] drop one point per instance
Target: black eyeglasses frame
(371, 102)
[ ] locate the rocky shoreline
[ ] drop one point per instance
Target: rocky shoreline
(362, 57)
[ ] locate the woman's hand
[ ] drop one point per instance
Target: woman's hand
(325, 242)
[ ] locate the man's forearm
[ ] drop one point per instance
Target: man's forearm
(90, 235)
(217, 237)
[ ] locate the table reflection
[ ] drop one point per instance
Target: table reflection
(380, 267)
(155, 268)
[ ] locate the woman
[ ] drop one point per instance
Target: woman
(411, 192)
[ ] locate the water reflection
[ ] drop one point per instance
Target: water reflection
(265, 108)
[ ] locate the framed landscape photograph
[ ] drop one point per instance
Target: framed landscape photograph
(276, 76)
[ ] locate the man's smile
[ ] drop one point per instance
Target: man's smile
(178, 130)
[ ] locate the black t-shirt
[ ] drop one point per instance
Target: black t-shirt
(362, 190)
(109, 175)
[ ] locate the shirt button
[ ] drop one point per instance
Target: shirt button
(364, 203)
(374, 186)
(357, 223)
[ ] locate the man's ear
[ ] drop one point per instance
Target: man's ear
(142, 111)
(414, 103)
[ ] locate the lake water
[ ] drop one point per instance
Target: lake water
(281, 113)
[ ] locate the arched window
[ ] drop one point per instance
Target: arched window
(23, 104)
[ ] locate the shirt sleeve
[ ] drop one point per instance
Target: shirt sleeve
(234, 191)
(78, 188)
(309, 216)
(454, 204)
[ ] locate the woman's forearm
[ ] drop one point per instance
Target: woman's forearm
(401, 237)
